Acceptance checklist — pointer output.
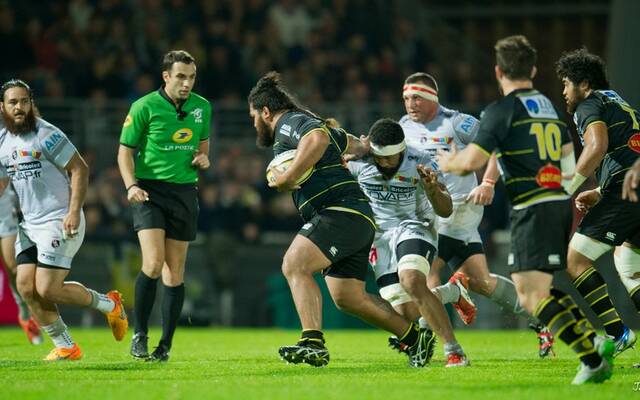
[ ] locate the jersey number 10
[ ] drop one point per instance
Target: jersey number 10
(549, 139)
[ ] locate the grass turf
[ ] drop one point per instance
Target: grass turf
(243, 364)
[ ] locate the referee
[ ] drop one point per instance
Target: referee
(163, 144)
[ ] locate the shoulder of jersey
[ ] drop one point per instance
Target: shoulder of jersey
(405, 120)
(199, 98)
(44, 128)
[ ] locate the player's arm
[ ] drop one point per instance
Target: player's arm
(472, 158)
(484, 192)
(79, 176)
(631, 183)
(4, 183)
(310, 150)
(356, 148)
(596, 142)
(436, 192)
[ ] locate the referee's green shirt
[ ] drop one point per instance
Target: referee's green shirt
(166, 136)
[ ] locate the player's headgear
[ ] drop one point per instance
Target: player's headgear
(386, 138)
(421, 84)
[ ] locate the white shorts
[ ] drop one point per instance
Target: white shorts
(8, 222)
(385, 243)
(47, 238)
(463, 223)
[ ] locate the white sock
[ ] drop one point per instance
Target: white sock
(59, 334)
(423, 323)
(448, 293)
(452, 347)
(101, 302)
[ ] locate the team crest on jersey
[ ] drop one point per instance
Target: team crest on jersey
(197, 115)
(29, 153)
(182, 135)
(442, 139)
(549, 177)
(55, 243)
(634, 142)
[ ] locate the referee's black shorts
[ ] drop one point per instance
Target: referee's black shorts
(345, 239)
(172, 207)
(540, 237)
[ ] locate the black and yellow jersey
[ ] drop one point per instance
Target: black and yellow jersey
(330, 186)
(622, 122)
(527, 134)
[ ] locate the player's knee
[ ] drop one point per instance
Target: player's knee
(582, 252)
(627, 262)
(413, 270)
(26, 288)
(152, 266)
(48, 292)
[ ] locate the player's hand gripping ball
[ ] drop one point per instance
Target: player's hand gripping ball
(281, 162)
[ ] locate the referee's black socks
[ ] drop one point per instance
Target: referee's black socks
(562, 323)
(172, 302)
(591, 286)
(145, 296)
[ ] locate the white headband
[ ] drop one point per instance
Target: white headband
(384, 151)
(421, 90)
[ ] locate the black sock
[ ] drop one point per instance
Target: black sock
(567, 302)
(171, 308)
(591, 286)
(562, 324)
(145, 296)
(410, 337)
(312, 335)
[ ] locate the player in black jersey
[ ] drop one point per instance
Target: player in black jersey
(609, 129)
(338, 225)
(534, 152)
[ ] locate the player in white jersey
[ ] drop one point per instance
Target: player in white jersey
(405, 196)
(8, 232)
(431, 127)
(50, 179)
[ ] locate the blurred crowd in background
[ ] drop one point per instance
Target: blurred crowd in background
(347, 52)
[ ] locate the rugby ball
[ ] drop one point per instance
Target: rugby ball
(281, 162)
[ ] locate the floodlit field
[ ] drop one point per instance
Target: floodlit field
(243, 364)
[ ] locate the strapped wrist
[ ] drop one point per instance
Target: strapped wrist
(488, 182)
(130, 186)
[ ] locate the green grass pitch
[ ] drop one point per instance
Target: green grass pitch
(243, 364)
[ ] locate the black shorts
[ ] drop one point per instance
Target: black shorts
(345, 239)
(171, 206)
(612, 221)
(455, 252)
(540, 237)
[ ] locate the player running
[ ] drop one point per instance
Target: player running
(430, 127)
(609, 129)
(405, 195)
(534, 152)
(338, 225)
(50, 179)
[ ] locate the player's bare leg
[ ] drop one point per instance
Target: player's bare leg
(28, 324)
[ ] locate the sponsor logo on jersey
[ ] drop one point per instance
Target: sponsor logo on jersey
(55, 243)
(182, 135)
(333, 251)
(554, 259)
(467, 124)
(127, 121)
(538, 106)
(53, 140)
(634, 142)
(197, 115)
(611, 236)
(549, 176)
(307, 226)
